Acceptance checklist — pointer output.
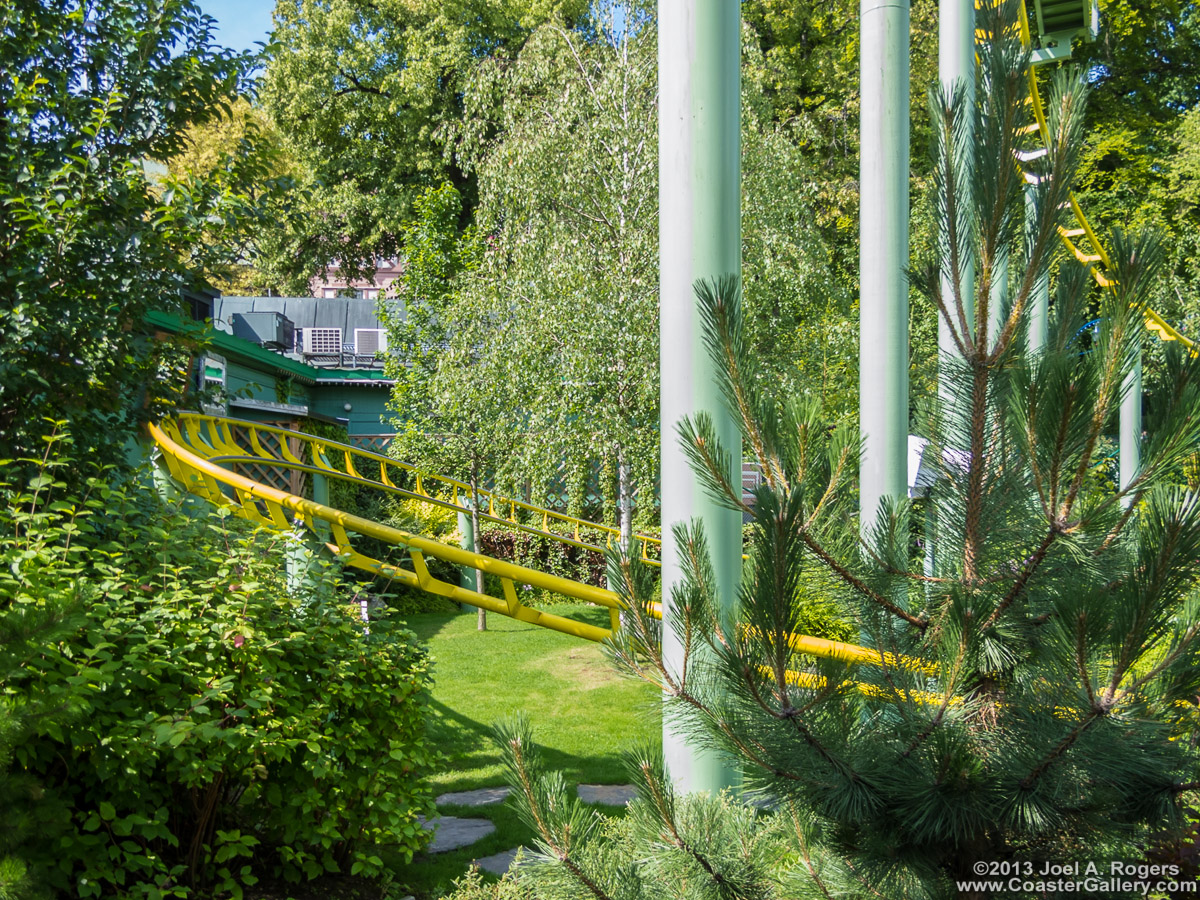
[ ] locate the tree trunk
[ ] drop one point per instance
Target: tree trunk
(481, 624)
(624, 500)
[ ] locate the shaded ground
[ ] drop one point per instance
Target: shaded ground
(583, 714)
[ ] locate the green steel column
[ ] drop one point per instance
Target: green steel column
(1039, 306)
(883, 254)
(997, 297)
(956, 66)
(1131, 424)
(699, 237)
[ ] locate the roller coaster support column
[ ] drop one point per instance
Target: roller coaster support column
(956, 67)
(1039, 307)
(699, 51)
(1131, 423)
(883, 255)
(467, 576)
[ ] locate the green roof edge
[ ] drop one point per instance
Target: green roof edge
(239, 347)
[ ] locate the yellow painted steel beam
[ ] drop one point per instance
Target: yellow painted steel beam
(1098, 259)
(219, 442)
(202, 473)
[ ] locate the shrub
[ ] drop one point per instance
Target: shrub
(545, 554)
(228, 729)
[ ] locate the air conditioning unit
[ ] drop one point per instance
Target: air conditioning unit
(321, 341)
(267, 329)
(369, 341)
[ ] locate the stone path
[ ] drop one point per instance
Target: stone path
(453, 832)
(498, 863)
(607, 794)
(482, 797)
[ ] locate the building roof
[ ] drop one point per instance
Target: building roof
(256, 356)
(346, 313)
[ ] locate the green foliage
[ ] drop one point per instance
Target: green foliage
(546, 555)
(370, 97)
(565, 200)
(696, 846)
(222, 730)
(420, 318)
(93, 93)
(241, 152)
(35, 611)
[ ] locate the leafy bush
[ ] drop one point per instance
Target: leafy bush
(545, 554)
(228, 730)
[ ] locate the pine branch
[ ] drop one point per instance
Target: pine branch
(847, 576)
(1064, 745)
(806, 856)
(1027, 571)
(666, 814)
(721, 308)
(835, 478)
(516, 745)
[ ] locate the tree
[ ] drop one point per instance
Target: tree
(1144, 71)
(369, 96)
(1018, 703)
(567, 200)
(91, 92)
(454, 385)
(242, 151)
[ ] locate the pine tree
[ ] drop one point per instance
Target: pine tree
(1020, 701)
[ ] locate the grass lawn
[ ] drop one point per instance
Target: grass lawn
(582, 712)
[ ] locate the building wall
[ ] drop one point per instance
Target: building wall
(368, 413)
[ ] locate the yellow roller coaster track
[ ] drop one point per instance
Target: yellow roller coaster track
(203, 454)
(1081, 240)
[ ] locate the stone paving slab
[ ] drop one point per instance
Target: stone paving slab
(607, 794)
(453, 832)
(482, 797)
(498, 863)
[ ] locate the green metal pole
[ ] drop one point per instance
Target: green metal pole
(1039, 307)
(883, 255)
(1131, 424)
(956, 69)
(699, 237)
(466, 575)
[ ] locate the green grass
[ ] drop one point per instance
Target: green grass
(583, 715)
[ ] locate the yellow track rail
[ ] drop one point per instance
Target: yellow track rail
(1081, 240)
(197, 449)
(234, 442)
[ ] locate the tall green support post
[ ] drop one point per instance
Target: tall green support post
(466, 575)
(1039, 305)
(956, 67)
(306, 553)
(883, 255)
(699, 75)
(1131, 424)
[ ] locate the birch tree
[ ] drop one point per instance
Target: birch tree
(568, 207)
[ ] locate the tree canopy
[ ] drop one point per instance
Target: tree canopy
(94, 93)
(369, 96)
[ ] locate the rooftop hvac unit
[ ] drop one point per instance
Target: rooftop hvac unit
(321, 341)
(369, 341)
(268, 329)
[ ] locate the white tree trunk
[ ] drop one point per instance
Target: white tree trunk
(481, 622)
(624, 500)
